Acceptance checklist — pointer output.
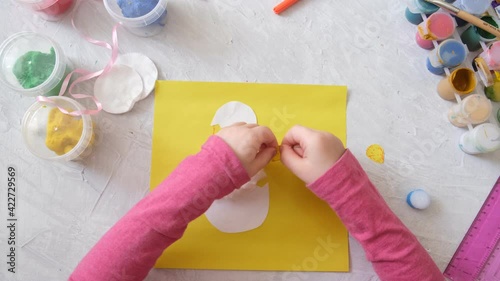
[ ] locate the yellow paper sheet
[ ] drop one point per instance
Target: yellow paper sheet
(301, 232)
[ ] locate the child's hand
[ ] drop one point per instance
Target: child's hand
(254, 145)
(310, 153)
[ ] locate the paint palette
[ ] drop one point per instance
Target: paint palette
(475, 68)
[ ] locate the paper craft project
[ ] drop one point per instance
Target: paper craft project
(245, 208)
(300, 232)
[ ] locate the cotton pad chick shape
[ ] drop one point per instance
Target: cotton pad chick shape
(247, 207)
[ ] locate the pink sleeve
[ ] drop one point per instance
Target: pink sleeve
(131, 247)
(394, 251)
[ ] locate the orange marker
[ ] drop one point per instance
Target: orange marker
(284, 5)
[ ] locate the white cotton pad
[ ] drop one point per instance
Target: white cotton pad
(234, 112)
(119, 89)
(242, 210)
(418, 199)
(145, 67)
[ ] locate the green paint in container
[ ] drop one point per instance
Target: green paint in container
(32, 64)
(486, 36)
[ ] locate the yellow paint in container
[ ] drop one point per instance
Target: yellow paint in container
(63, 132)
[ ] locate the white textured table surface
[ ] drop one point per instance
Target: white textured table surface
(64, 208)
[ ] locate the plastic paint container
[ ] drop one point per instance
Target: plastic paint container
(472, 36)
(32, 64)
(482, 139)
(52, 135)
(461, 81)
(449, 53)
(146, 25)
(437, 26)
(417, 7)
(51, 10)
(475, 7)
(483, 71)
(413, 17)
(425, 7)
(493, 92)
(437, 69)
(492, 56)
(474, 109)
(422, 43)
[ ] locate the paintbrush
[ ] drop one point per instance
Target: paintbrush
(467, 17)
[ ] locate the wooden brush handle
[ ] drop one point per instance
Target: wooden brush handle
(479, 23)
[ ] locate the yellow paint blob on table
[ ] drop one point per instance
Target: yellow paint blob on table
(63, 132)
(376, 153)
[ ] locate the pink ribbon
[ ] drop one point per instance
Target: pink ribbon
(86, 75)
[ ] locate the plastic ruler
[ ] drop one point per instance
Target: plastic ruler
(478, 255)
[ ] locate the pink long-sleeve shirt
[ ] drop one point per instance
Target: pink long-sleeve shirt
(130, 248)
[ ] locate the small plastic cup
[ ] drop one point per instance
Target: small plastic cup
(414, 17)
(416, 8)
(483, 71)
(66, 140)
(147, 25)
(461, 81)
(482, 139)
(492, 56)
(474, 109)
(425, 7)
(475, 7)
(473, 36)
(51, 10)
(437, 26)
(493, 92)
(449, 53)
(26, 59)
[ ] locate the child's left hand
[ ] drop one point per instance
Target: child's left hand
(254, 145)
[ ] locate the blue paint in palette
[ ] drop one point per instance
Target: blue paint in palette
(439, 70)
(452, 53)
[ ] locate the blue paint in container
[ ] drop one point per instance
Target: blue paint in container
(140, 17)
(451, 52)
(437, 70)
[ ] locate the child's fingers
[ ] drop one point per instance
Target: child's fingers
(297, 136)
(298, 150)
(263, 158)
(291, 159)
(266, 136)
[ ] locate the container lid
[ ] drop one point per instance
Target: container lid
(487, 137)
(426, 7)
(51, 134)
(452, 52)
(131, 19)
(31, 63)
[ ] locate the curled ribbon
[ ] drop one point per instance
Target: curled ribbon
(86, 75)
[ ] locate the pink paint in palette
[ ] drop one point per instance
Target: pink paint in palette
(437, 26)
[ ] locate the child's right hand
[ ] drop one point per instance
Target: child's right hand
(310, 153)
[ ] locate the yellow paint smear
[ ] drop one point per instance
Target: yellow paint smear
(376, 153)
(63, 132)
